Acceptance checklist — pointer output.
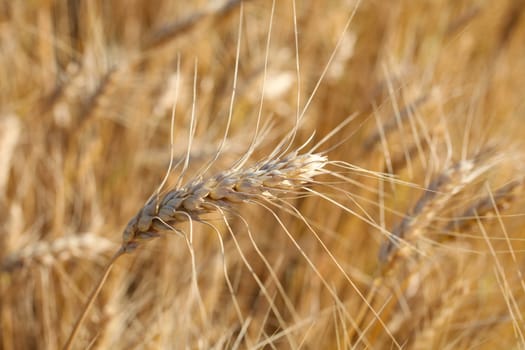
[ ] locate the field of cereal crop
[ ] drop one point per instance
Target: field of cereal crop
(277, 175)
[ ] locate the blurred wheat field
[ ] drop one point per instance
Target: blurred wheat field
(419, 244)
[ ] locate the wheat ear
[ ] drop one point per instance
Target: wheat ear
(267, 179)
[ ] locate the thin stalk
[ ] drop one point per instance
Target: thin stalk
(69, 343)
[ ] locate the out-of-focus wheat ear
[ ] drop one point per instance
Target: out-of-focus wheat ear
(85, 246)
(90, 104)
(487, 206)
(168, 32)
(439, 194)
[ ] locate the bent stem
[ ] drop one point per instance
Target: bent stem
(69, 343)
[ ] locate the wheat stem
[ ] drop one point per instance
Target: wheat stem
(94, 293)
